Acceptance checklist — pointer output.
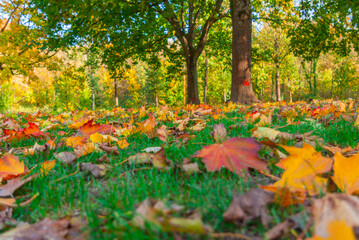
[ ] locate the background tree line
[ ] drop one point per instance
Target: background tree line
(66, 55)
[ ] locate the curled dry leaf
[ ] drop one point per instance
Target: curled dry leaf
(219, 133)
(66, 157)
(97, 170)
(248, 206)
(334, 207)
(103, 158)
(13, 184)
(235, 154)
(109, 149)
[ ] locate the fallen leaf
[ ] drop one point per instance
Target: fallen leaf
(11, 167)
(158, 213)
(109, 149)
(47, 166)
(122, 143)
(335, 207)
(346, 175)
(75, 141)
(198, 127)
(248, 206)
(152, 149)
(219, 133)
(85, 149)
(60, 229)
(235, 154)
(13, 184)
(66, 157)
(97, 170)
(337, 230)
(89, 128)
(301, 169)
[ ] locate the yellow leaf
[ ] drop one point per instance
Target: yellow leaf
(337, 230)
(346, 175)
(123, 143)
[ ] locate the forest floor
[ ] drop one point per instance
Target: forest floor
(73, 178)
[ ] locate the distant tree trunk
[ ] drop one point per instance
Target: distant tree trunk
(277, 83)
(116, 93)
(192, 81)
(241, 90)
(314, 75)
(93, 97)
(205, 81)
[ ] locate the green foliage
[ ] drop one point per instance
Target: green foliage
(72, 90)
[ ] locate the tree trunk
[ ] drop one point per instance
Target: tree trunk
(184, 84)
(241, 90)
(116, 94)
(192, 81)
(205, 81)
(93, 97)
(314, 75)
(277, 83)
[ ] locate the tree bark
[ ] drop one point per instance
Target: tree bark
(192, 81)
(205, 82)
(241, 90)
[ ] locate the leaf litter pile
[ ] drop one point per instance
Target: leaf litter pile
(266, 171)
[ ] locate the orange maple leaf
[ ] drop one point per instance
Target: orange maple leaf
(11, 167)
(89, 128)
(236, 154)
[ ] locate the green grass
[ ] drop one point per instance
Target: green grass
(109, 203)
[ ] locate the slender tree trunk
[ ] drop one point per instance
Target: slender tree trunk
(277, 83)
(116, 93)
(184, 84)
(314, 75)
(192, 81)
(93, 97)
(205, 81)
(241, 90)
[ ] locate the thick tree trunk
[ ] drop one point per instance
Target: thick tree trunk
(184, 84)
(277, 83)
(205, 82)
(241, 90)
(192, 81)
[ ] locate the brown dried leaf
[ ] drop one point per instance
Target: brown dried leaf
(13, 184)
(97, 170)
(249, 205)
(60, 229)
(111, 150)
(66, 157)
(219, 133)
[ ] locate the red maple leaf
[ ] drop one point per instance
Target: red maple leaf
(31, 131)
(89, 128)
(235, 154)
